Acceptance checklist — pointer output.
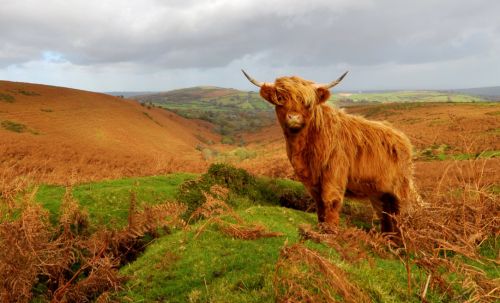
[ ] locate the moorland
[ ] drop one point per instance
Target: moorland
(187, 196)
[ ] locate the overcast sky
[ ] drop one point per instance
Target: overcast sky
(151, 45)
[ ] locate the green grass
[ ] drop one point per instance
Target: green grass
(218, 268)
(214, 267)
(442, 152)
(483, 155)
(107, 202)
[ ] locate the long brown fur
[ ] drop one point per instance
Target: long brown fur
(336, 154)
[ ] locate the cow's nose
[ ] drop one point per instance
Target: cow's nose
(292, 116)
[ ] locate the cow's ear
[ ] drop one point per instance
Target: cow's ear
(323, 94)
(268, 92)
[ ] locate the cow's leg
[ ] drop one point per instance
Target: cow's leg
(320, 207)
(377, 206)
(390, 208)
(333, 187)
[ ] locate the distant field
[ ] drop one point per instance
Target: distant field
(405, 96)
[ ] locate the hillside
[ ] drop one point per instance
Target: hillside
(208, 98)
(60, 134)
(230, 110)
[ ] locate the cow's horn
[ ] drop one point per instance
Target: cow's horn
(258, 83)
(333, 83)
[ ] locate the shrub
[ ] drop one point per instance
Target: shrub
(227, 140)
(243, 153)
(230, 176)
(208, 153)
(243, 187)
(6, 98)
(236, 179)
(14, 126)
(27, 92)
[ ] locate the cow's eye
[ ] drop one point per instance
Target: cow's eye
(279, 99)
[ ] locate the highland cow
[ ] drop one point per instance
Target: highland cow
(335, 154)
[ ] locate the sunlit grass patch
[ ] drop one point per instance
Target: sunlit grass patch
(108, 201)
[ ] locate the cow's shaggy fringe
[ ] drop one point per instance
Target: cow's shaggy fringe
(70, 262)
(218, 213)
(303, 275)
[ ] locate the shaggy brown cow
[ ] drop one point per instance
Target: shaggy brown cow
(336, 154)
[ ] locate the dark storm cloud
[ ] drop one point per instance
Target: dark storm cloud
(155, 35)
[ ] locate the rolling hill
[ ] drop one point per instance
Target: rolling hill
(233, 111)
(60, 134)
(230, 110)
(209, 98)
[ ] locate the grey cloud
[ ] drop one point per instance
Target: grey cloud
(156, 35)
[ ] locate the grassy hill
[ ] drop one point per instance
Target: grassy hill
(63, 133)
(239, 245)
